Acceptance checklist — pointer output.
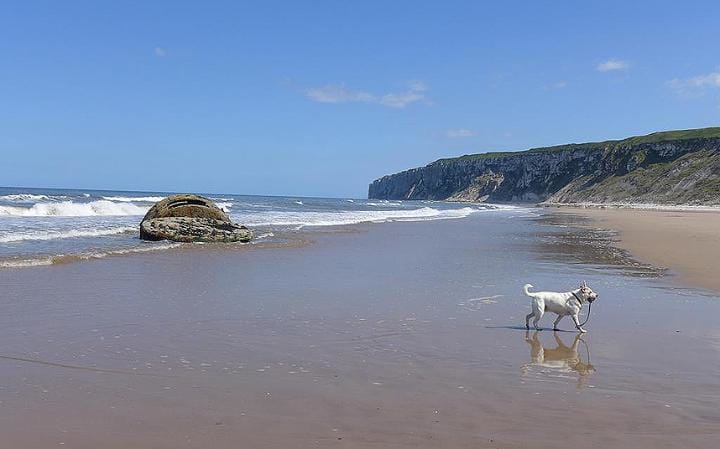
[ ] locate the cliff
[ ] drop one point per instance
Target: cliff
(673, 167)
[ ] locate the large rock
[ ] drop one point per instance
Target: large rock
(186, 205)
(190, 218)
(187, 229)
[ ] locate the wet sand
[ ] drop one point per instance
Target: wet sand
(393, 336)
(688, 243)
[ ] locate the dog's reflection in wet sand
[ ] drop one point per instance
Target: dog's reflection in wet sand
(559, 360)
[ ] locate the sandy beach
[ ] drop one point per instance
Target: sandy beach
(395, 335)
(686, 242)
(359, 225)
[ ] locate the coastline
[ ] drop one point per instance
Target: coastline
(685, 240)
(48, 227)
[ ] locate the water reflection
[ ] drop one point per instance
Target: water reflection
(559, 361)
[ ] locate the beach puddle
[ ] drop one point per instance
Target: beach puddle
(573, 239)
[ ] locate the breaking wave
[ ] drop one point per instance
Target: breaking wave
(226, 205)
(302, 219)
(72, 209)
(135, 199)
(57, 235)
(23, 197)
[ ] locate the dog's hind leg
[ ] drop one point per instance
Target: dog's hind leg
(538, 311)
(527, 320)
(557, 321)
(537, 318)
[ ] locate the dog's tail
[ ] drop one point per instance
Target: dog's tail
(525, 289)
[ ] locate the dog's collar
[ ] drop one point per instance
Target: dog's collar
(577, 297)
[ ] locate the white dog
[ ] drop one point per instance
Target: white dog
(563, 304)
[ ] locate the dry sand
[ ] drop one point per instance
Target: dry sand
(686, 242)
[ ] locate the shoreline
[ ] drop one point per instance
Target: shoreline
(50, 227)
(685, 241)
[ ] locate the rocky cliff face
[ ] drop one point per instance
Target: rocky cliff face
(676, 167)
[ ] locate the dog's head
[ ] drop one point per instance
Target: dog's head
(587, 293)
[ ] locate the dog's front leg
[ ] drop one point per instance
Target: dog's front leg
(577, 323)
(557, 321)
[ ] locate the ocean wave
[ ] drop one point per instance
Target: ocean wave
(241, 204)
(23, 197)
(226, 205)
(301, 219)
(66, 258)
(72, 209)
(383, 204)
(22, 263)
(58, 235)
(135, 199)
(263, 236)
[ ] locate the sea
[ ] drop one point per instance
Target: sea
(49, 226)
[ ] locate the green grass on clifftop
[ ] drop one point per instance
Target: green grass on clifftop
(663, 136)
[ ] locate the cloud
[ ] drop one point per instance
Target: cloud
(696, 85)
(460, 133)
(612, 65)
(160, 52)
(555, 86)
(338, 93)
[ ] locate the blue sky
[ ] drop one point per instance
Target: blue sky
(319, 98)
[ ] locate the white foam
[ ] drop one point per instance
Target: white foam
(72, 209)
(23, 197)
(135, 199)
(57, 235)
(226, 205)
(20, 263)
(120, 252)
(51, 260)
(384, 203)
(301, 219)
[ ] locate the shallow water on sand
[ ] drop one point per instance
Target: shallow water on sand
(392, 335)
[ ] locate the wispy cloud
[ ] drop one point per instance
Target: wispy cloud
(160, 52)
(696, 85)
(556, 86)
(612, 65)
(460, 133)
(339, 93)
